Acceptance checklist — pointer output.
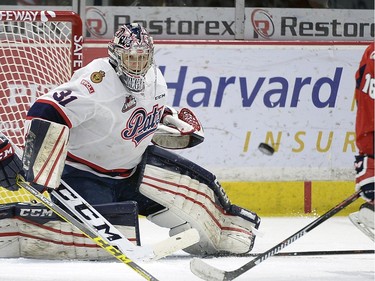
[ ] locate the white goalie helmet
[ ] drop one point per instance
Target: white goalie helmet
(132, 52)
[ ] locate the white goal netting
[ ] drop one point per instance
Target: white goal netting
(38, 50)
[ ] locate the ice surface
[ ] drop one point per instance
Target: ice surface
(337, 233)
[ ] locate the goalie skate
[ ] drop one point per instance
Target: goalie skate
(364, 222)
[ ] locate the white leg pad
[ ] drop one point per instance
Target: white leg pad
(191, 204)
(52, 240)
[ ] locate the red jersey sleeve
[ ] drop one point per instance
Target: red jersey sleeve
(364, 95)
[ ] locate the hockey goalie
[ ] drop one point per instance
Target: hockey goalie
(113, 134)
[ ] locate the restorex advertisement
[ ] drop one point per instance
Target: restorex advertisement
(203, 23)
(299, 98)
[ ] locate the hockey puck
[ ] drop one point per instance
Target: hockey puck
(266, 148)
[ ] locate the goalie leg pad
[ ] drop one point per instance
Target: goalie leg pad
(33, 231)
(45, 152)
(169, 161)
(190, 203)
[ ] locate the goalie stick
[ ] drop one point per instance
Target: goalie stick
(86, 230)
(210, 273)
(43, 162)
(90, 216)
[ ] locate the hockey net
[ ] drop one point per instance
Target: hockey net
(38, 50)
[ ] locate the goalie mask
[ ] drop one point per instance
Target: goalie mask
(131, 52)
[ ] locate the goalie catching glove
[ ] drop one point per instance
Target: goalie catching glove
(178, 130)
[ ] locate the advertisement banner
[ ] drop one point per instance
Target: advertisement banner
(193, 23)
(299, 98)
(309, 24)
(163, 22)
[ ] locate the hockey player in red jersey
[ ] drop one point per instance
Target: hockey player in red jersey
(364, 128)
(119, 126)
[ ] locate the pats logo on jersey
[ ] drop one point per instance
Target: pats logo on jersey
(129, 103)
(141, 124)
(97, 76)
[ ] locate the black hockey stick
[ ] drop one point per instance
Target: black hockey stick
(303, 253)
(285, 254)
(321, 253)
(208, 272)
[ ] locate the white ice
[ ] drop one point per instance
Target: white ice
(337, 233)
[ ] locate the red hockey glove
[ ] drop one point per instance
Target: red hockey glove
(364, 166)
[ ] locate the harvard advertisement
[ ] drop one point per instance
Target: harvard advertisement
(298, 98)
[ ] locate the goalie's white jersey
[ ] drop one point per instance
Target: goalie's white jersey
(110, 127)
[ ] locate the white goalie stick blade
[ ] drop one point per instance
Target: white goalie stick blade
(89, 216)
(206, 271)
(361, 226)
(175, 243)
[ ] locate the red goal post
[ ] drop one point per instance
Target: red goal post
(38, 51)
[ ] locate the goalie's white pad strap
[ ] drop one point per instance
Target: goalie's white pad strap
(45, 152)
(190, 203)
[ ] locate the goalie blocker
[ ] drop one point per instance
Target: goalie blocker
(193, 198)
(45, 152)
